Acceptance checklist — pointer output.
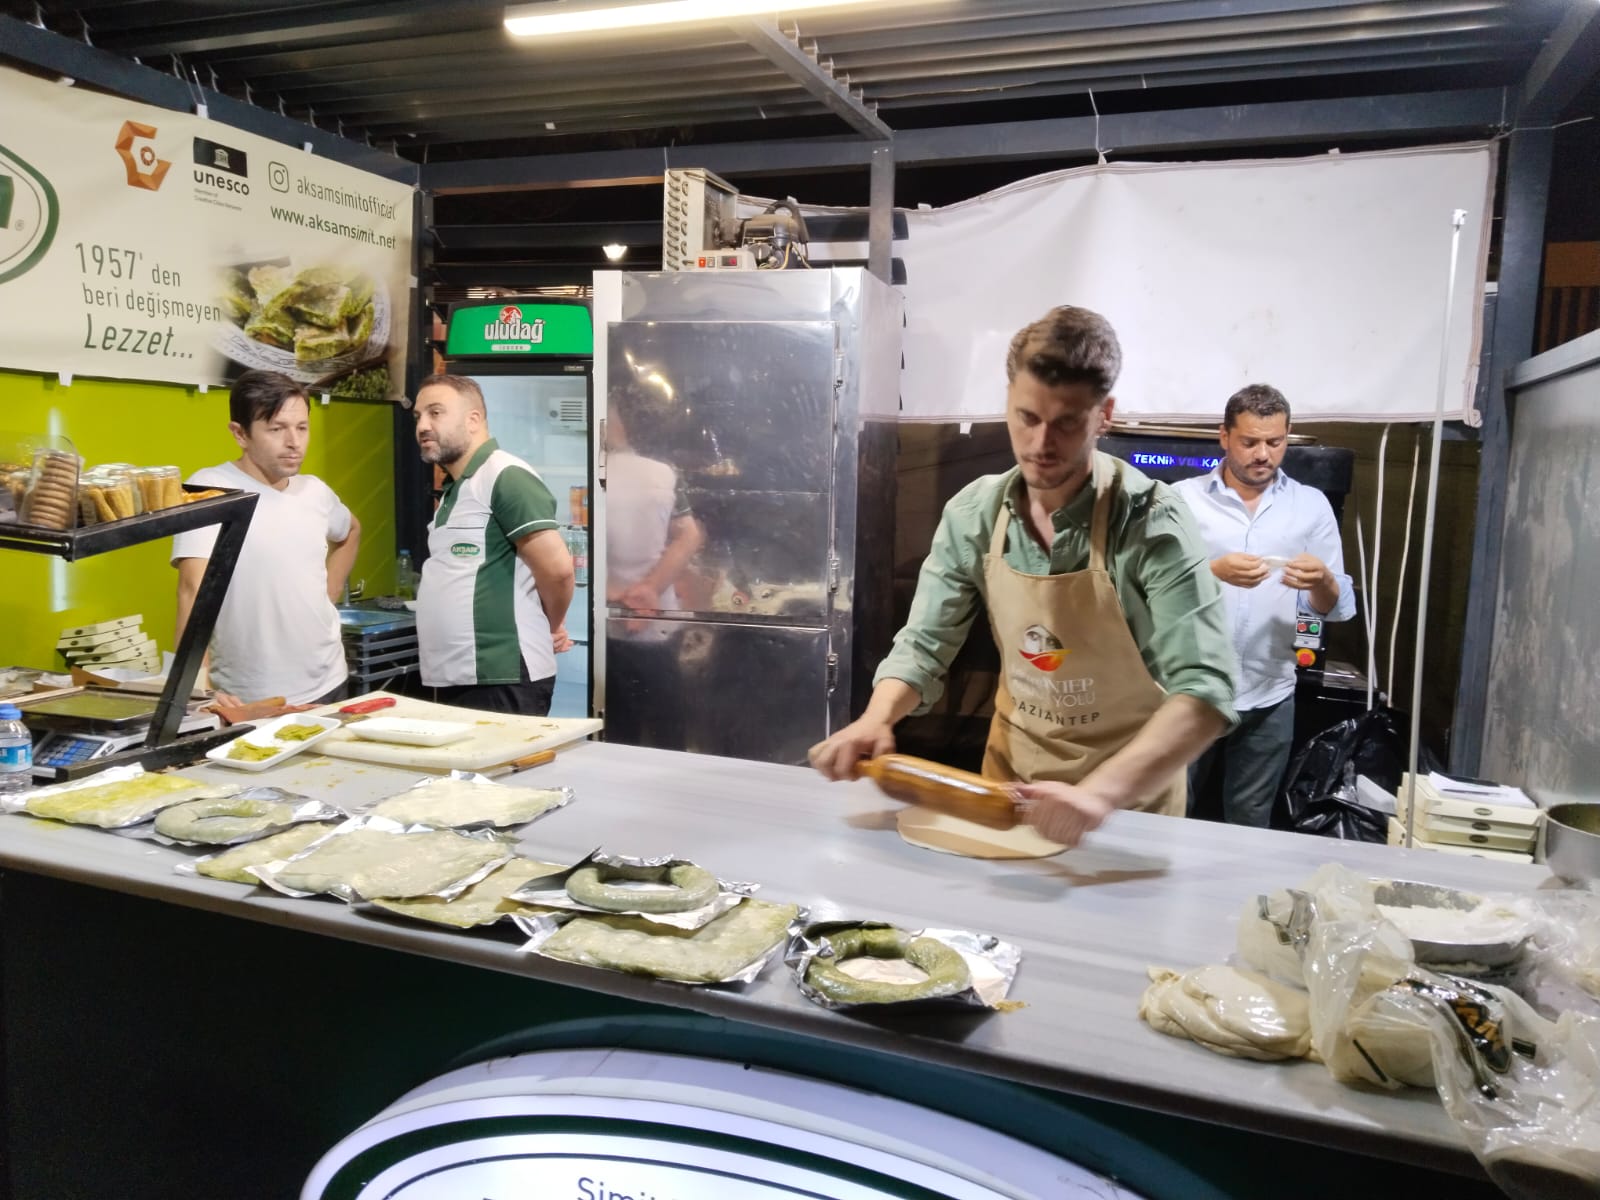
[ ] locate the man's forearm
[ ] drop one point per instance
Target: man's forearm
(891, 700)
(681, 547)
(1170, 740)
(555, 598)
(341, 561)
(1325, 594)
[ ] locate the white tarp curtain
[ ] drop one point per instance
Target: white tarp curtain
(1325, 277)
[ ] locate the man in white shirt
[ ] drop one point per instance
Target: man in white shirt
(492, 605)
(1275, 548)
(651, 537)
(278, 632)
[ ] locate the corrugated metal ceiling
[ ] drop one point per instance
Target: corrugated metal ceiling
(444, 80)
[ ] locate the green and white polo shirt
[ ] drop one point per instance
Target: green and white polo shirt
(478, 613)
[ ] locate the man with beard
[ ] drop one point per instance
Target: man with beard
(278, 631)
(1115, 661)
(1275, 547)
(492, 604)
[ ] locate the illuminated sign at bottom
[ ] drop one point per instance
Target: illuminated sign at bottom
(616, 1124)
(564, 1166)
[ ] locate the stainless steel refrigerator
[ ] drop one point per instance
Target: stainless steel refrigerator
(757, 414)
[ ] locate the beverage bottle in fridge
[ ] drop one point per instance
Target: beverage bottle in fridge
(16, 751)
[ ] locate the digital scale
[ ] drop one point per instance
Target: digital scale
(94, 724)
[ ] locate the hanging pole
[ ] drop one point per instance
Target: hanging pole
(1377, 551)
(1457, 220)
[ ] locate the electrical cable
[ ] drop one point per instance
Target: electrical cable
(1405, 551)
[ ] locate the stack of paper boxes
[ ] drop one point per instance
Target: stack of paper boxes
(121, 644)
(1457, 817)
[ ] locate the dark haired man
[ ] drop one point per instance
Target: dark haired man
(1115, 660)
(492, 605)
(1275, 547)
(278, 632)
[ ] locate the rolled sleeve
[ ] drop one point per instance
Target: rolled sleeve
(942, 611)
(1187, 647)
(1326, 544)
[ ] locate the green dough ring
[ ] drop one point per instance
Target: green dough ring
(693, 887)
(946, 970)
(221, 819)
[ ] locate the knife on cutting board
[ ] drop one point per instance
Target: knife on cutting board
(362, 708)
(537, 759)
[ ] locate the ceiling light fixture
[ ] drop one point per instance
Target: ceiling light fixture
(614, 250)
(545, 20)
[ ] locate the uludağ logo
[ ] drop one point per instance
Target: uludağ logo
(1042, 648)
(137, 149)
(29, 214)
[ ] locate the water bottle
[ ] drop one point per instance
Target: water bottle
(578, 546)
(405, 578)
(16, 752)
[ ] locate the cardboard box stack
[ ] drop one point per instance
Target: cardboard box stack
(1456, 817)
(121, 643)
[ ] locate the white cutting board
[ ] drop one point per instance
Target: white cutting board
(496, 737)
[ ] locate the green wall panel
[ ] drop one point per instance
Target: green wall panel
(352, 449)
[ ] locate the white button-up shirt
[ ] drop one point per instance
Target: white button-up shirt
(1290, 519)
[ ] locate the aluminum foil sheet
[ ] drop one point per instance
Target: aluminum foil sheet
(273, 873)
(540, 928)
(563, 796)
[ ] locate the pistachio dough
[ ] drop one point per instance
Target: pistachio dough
(945, 969)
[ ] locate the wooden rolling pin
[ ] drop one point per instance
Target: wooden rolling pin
(941, 788)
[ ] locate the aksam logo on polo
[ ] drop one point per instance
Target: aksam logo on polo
(1042, 648)
(465, 550)
(136, 146)
(511, 327)
(29, 214)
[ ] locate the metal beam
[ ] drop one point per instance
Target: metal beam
(550, 235)
(1516, 312)
(291, 26)
(880, 218)
(785, 53)
(525, 275)
(1426, 116)
(48, 51)
(1565, 66)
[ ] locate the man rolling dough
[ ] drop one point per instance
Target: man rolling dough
(1117, 668)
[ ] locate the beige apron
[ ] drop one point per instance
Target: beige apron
(1074, 688)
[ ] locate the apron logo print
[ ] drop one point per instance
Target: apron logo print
(464, 550)
(1042, 648)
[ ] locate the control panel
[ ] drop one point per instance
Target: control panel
(1308, 641)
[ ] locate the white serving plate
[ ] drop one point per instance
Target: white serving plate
(265, 735)
(410, 731)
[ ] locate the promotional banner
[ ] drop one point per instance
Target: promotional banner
(141, 243)
(1326, 277)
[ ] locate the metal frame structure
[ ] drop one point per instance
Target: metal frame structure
(232, 513)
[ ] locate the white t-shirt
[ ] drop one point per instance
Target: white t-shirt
(278, 633)
(642, 498)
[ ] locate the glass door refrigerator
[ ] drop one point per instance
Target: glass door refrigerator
(534, 360)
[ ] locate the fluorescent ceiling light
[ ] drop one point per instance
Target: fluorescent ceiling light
(543, 20)
(614, 250)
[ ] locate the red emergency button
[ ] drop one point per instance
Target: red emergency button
(1305, 657)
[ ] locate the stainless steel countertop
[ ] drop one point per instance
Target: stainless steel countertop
(1145, 890)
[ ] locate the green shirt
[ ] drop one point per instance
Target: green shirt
(1155, 555)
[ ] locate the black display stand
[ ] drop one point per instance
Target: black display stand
(231, 511)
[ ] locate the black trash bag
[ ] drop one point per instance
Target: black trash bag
(1319, 789)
